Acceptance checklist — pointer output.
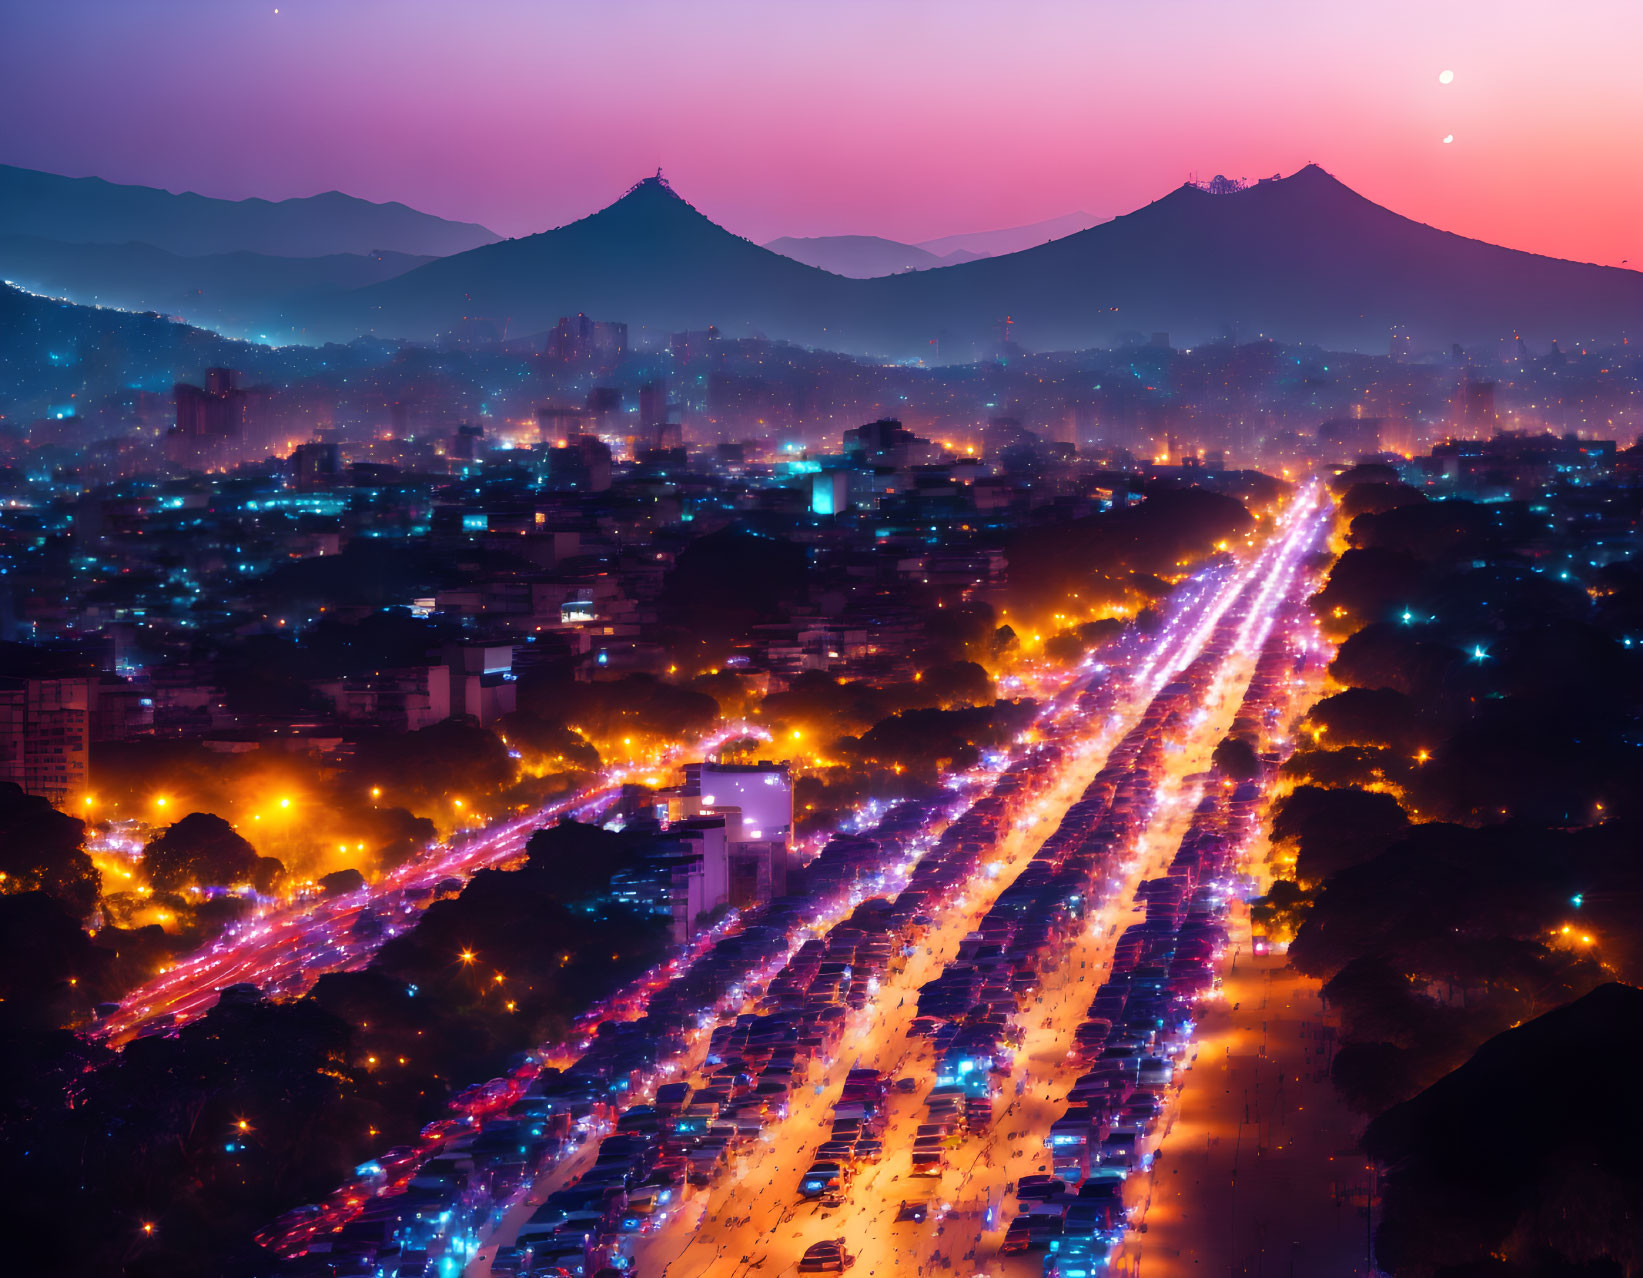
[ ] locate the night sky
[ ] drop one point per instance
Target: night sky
(908, 120)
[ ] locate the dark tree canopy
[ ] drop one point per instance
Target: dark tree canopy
(50, 970)
(40, 851)
(203, 850)
(455, 756)
(1237, 759)
(1336, 828)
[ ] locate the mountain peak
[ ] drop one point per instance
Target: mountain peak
(650, 189)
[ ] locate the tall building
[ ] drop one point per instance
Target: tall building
(587, 341)
(45, 731)
(1477, 416)
(756, 802)
(210, 421)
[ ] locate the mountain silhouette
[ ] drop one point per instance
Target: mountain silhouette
(1010, 239)
(1297, 259)
(241, 294)
(92, 211)
(860, 257)
(649, 259)
(867, 256)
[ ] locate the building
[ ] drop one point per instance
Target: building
(681, 874)
(210, 422)
(583, 464)
(756, 802)
(556, 424)
(587, 341)
(830, 492)
(45, 735)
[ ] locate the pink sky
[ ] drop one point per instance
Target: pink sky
(898, 117)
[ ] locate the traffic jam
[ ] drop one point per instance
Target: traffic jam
(674, 1090)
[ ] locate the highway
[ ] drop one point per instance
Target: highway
(751, 1216)
(284, 950)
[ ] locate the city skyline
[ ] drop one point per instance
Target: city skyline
(869, 123)
(567, 712)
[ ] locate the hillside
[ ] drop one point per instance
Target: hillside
(1010, 239)
(92, 211)
(859, 257)
(242, 294)
(1474, 1175)
(649, 259)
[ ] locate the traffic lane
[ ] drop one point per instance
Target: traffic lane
(1260, 1165)
(1047, 1035)
(1015, 1147)
(763, 1185)
(923, 965)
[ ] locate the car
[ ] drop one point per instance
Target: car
(826, 1258)
(929, 1162)
(1030, 1187)
(820, 1179)
(1018, 1237)
(912, 1212)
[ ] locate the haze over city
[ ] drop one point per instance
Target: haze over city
(684, 640)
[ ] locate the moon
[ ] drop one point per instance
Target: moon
(1449, 137)
(1446, 77)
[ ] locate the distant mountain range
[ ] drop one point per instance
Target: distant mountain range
(861, 257)
(92, 211)
(1299, 259)
(1012, 239)
(242, 294)
(867, 256)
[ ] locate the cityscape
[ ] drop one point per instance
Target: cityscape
(707, 640)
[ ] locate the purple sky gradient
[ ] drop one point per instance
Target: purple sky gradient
(896, 117)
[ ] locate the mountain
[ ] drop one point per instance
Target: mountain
(1297, 259)
(867, 256)
(92, 211)
(858, 256)
(1012, 239)
(649, 259)
(244, 294)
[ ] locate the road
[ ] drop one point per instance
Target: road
(293, 944)
(751, 1218)
(1258, 1172)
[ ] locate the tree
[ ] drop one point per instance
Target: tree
(1333, 829)
(1363, 473)
(203, 850)
(40, 851)
(424, 768)
(1458, 1190)
(1368, 585)
(1380, 717)
(49, 969)
(1363, 499)
(1237, 759)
